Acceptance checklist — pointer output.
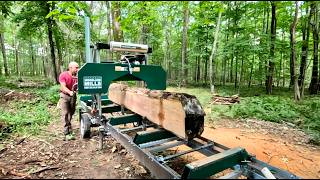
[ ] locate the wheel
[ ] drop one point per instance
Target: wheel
(85, 126)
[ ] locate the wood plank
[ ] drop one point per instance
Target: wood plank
(179, 113)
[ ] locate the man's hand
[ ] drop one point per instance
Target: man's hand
(71, 93)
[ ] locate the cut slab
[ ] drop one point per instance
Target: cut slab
(178, 113)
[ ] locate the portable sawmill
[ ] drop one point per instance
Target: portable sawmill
(140, 119)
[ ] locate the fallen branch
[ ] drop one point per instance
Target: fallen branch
(44, 169)
(3, 150)
(9, 93)
(21, 140)
(31, 161)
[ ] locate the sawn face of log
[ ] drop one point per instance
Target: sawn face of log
(179, 113)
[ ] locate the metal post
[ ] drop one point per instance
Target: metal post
(87, 39)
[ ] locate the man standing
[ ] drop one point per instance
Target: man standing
(68, 82)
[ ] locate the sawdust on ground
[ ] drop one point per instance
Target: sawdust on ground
(279, 145)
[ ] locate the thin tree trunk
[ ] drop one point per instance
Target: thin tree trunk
(267, 32)
(33, 69)
(273, 38)
(16, 50)
(206, 60)
(261, 42)
(225, 59)
(51, 43)
(58, 44)
(304, 52)
(116, 18)
(4, 56)
(293, 53)
(241, 73)
(251, 71)
(198, 69)
(44, 60)
(280, 70)
(236, 49)
(109, 27)
(101, 20)
(314, 79)
(184, 61)
(213, 52)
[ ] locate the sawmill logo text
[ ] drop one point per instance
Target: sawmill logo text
(92, 82)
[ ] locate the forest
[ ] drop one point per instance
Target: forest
(263, 47)
(261, 55)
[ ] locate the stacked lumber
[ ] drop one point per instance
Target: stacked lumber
(178, 113)
(225, 100)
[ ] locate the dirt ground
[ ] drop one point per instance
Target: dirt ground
(279, 145)
(48, 156)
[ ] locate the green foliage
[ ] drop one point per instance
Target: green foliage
(28, 116)
(50, 95)
(267, 108)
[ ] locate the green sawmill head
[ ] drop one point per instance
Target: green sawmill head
(96, 77)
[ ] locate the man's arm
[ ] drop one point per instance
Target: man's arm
(63, 88)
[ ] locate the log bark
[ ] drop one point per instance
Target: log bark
(178, 113)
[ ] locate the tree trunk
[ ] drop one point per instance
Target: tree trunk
(4, 56)
(167, 50)
(251, 72)
(267, 32)
(44, 60)
(117, 33)
(101, 20)
(206, 62)
(225, 60)
(33, 61)
(184, 58)
(314, 79)
(109, 27)
(283, 64)
(273, 38)
(198, 69)
(116, 18)
(293, 53)
(51, 43)
(254, 52)
(16, 50)
(261, 42)
(304, 51)
(58, 44)
(213, 52)
(236, 49)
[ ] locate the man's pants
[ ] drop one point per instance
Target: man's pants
(68, 107)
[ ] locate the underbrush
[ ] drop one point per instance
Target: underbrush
(27, 116)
